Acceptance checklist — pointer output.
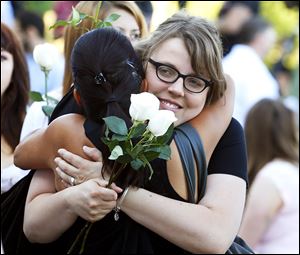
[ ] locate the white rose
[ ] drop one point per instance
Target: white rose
(45, 55)
(161, 121)
(143, 106)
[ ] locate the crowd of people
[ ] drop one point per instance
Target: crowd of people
(226, 93)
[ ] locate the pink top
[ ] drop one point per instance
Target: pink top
(283, 234)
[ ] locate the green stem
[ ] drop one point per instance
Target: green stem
(85, 237)
(78, 237)
(97, 14)
(46, 85)
(114, 175)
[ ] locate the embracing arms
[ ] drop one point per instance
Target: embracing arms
(89, 200)
(208, 227)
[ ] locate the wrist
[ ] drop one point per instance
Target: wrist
(120, 201)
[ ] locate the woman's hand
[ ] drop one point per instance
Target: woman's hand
(91, 200)
(74, 170)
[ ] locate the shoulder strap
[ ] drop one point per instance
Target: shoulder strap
(190, 148)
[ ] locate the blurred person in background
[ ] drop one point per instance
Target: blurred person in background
(30, 29)
(62, 10)
(14, 99)
(245, 65)
(271, 218)
(283, 75)
(232, 16)
(147, 10)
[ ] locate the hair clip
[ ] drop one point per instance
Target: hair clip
(100, 79)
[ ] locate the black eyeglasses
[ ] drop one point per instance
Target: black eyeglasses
(169, 74)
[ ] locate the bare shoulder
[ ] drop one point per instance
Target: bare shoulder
(67, 121)
(67, 131)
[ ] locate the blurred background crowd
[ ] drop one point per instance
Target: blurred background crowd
(261, 54)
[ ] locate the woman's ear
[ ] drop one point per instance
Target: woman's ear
(76, 96)
(144, 86)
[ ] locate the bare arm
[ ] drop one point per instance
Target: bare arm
(89, 200)
(32, 153)
(262, 205)
(212, 122)
(207, 227)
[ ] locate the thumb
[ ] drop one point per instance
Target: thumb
(93, 153)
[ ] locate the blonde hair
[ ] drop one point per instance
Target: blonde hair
(202, 41)
(89, 8)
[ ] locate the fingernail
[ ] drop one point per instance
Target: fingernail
(60, 151)
(56, 160)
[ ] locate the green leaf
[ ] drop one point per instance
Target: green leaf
(111, 144)
(116, 125)
(107, 24)
(136, 164)
(112, 17)
(36, 96)
(166, 137)
(151, 155)
(59, 23)
(75, 16)
(99, 24)
(119, 137)
(165, 152)
(47, 109)
(124, 159)
(137, 130)
(135, 152)
(84, 16)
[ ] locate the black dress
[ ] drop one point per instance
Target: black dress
(107, 235)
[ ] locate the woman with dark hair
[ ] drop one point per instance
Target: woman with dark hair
(106, 71)
(271, 219)
(14, 99)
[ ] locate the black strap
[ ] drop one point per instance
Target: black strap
(190, 149)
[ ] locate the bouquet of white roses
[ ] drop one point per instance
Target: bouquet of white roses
(145, 140)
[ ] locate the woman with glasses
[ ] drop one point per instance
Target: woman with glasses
(182, 61)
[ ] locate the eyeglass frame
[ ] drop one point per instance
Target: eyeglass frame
(179, 75)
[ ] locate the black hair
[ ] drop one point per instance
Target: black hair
(251, 28)
(106, 71)
(30, 19)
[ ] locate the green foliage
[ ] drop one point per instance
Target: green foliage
(139, 153)
(78, 17)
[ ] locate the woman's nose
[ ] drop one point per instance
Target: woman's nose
(177, 87)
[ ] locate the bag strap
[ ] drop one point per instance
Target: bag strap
(191, 150)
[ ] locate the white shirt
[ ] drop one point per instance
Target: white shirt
(282, 236)
(35, 119)
(253, 81)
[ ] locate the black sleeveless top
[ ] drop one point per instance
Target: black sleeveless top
(106, 235)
